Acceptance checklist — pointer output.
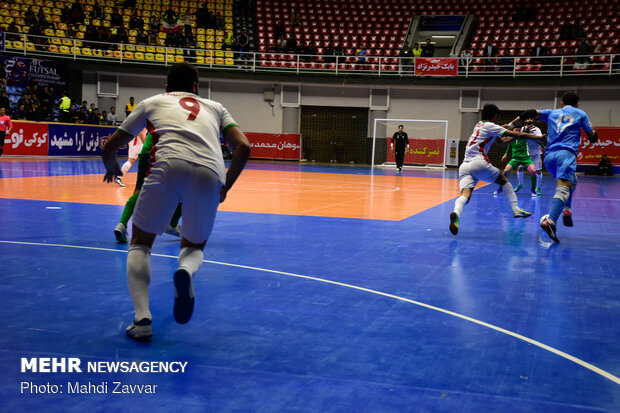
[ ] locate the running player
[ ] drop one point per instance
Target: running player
(188, 167)
(536, 151)
(476, 165)
(144, 163)
(521, 158)
(564, 131)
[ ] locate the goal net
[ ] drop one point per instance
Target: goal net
(427, 142)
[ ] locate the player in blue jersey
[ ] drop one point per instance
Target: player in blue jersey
(563, 139)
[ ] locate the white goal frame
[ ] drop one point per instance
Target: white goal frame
(445, 138)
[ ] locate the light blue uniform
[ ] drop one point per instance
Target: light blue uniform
(563, 138)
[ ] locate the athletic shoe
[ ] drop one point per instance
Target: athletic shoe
(549, 227)
(518, 188)
(567, 217)
(454, 223)
(538, 192)
(521, 214)
(534, 194)
(120, 232)
(140, 330)
(498, 191)
(183, 296)
(119, 181)
(176, 231)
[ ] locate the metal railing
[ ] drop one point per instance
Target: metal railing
(282, 62)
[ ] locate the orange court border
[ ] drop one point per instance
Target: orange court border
(380, 197)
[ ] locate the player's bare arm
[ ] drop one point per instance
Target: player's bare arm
(237, 139)
(108, 154)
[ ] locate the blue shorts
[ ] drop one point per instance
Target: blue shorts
(561, 164)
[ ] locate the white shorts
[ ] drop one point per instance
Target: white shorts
(537, 159)
(477, 170)
(170, 182)
(135, 146)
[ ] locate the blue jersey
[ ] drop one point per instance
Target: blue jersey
(564, 128)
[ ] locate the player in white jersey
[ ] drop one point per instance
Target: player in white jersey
(476, 165)
(135, 146)
(187, 166)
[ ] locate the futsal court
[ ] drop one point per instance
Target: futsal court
(324, 289)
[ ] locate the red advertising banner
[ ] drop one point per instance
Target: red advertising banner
(421, 151)
(608, 144)
(27, 139)
(436, 66)
(275, 145)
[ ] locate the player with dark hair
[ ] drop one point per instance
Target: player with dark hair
(187, 167)
(402, 144)
(476, 165)
(564, 136)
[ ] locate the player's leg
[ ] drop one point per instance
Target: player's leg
(532, 170)
(174, 228)
(120, 232)
(517, 212)
(562, 164)
(201, 198)
(467, 183)
(2, 137)
(156, 203)
(536, 159)
(519, 177)
(507, 170)
(567, 212)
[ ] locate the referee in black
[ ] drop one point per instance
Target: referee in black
(402, 143)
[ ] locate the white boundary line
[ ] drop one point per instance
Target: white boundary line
(555, 351)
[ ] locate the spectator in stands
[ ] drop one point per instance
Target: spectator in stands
(77, 13)
(41, 19)
(143, 37)
(31, 113)
(134, 22)
(229, 41)
(406, 55)
(187, 24)
(5, 102)
(361, 54)
(154, 23)
(30, 18)
(82, 115)
(34, 34)
(44, 114)
(279, 30)
(95, 117)
(64, 104)
(281, 44)
(111, 118)
(65, 14)
(219, 20)
(310, 51)
(97, 11)
(295, 18)
(73, 113)
(291, 44)
(429, 49)
(12, 28)
(121, 36)
(5, 126)
(243, 45)
(490, 51)
(538, 53)
(584, 52)
(338, 51)
(129, 107)
(19, 113)
(116, 19)
(416, 50)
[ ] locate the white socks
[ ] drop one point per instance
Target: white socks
(138, 278)
(520, 176)
(191, 258)
(512, 197)
(459, 204)
(126, 167)
(538, 180)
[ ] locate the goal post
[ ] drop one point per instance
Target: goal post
(428, 140)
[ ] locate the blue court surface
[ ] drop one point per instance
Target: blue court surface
(317, 314)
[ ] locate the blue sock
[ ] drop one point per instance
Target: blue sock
(555, 209)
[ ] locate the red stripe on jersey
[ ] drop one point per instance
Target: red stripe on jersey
(486, 158)
(151, 128)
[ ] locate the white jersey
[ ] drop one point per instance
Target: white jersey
(184, 126)
(532, 146)
(481, 139)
